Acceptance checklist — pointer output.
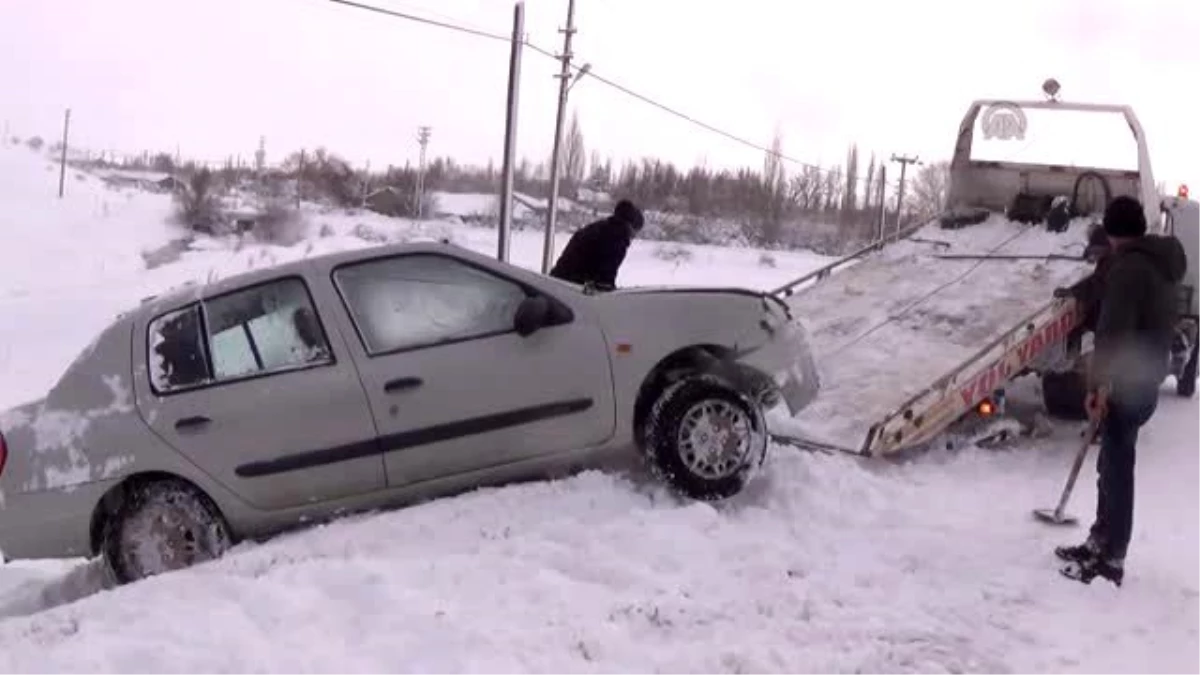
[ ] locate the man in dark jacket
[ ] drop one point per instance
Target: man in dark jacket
(594, 254)
(1090, 290)
(1133, 331)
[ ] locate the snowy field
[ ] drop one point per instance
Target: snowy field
(829, 565)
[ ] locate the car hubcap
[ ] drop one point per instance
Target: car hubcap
(715, 438)
(163, 539)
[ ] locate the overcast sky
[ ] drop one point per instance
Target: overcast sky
(212, 76)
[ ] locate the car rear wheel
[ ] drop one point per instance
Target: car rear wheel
(162, 526)
(704, 439)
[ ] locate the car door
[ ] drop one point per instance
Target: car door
(452, 386)
(249, 386)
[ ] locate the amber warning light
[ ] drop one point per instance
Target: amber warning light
(986, 408)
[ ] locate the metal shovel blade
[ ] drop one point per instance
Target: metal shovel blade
(1058, 515)
(1054, 517)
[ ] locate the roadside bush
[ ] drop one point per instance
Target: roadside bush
(279, 224)
(198, 203)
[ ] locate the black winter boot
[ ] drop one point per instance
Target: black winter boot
(1081, 553)
(1086, 570)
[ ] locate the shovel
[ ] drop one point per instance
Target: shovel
(1057, 515)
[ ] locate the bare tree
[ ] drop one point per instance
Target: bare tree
(774, 192)
(929, 190)
(850, 196)
(806, 188)
(869, 189)
(831, 188)
(574, 156)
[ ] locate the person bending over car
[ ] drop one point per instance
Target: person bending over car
(595, 252)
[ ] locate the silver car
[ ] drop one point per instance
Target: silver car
(374, 378)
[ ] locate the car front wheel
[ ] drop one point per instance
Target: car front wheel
(704, 439)
(162, 526)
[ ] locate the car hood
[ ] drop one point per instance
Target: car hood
(641, 290)
(700, 290)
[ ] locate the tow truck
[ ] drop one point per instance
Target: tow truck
(929, 324)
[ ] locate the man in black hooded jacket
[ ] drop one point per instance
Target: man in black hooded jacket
(1138, 305)
(594, 253)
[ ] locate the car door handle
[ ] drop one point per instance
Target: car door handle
(402, 383)
(192, 422)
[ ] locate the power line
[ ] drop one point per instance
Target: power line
(592, 72)
(421, 19)
(681, 115)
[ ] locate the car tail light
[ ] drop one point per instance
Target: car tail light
(3, 454)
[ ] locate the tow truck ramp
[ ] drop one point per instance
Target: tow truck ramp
(911, 335)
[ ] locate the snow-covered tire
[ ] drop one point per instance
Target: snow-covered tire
(1065, 395)
(681, 422)
(159, 527)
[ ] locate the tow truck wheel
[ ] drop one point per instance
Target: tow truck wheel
(1065, 395)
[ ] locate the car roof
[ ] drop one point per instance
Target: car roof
(193, 291)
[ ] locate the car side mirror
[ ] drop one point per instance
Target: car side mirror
(532, 315)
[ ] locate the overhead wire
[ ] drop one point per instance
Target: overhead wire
(591, 72)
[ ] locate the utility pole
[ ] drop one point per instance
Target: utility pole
(62, 166)
(882, 201)
(366, 184)
(510, 133)
(260, 156)
(422, 138)
(564, 83)
(904, 161)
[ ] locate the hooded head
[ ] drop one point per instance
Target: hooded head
(1124, 218)
(625, 211)
(1125, 225)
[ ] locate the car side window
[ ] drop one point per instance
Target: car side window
(264, 329)
(178, 359)
(422, 300)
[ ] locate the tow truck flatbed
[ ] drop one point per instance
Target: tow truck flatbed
(915, 330)
(902, 321)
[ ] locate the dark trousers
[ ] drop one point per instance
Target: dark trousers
(1128, 411)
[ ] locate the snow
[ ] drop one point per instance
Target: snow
(466, 204)
(830, 563)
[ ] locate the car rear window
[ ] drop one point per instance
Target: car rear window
(264, 329)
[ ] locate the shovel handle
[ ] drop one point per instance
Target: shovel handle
(1092, 429)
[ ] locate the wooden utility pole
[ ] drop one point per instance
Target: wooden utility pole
(422, 138)
(564, 84)
(882, 202)
(904, 161)
(507, 184)
(62, 165)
